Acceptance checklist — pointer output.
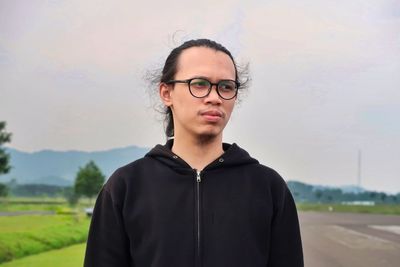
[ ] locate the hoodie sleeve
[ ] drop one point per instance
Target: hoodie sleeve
(286, 248)
(107, 244)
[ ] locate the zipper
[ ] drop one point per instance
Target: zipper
(198, 255)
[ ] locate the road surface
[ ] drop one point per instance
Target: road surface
(350, 240)
(27, 212)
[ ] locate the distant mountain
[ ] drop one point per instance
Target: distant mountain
(303, 192)
(60, 167)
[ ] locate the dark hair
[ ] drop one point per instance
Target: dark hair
(170, 68)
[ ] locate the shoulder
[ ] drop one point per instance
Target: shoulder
(122, 178)
(269, 179)
(279, 191)
(270, 176)
(240, 160)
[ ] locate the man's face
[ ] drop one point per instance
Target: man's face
(200, 117)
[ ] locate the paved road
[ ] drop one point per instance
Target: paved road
(350, 240)
(31, 212)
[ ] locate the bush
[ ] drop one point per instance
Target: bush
(21, 236)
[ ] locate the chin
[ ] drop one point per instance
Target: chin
(207, 138)
(209, 135)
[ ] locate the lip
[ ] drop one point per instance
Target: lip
(212, 115)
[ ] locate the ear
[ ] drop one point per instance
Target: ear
(165, 94)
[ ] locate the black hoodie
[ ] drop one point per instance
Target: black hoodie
(159, 212)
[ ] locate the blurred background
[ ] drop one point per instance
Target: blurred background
(323, 108)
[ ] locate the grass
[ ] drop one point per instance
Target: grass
(377, 209)
(25, 235)
(67, 257)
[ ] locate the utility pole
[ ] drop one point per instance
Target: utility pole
(359, 170)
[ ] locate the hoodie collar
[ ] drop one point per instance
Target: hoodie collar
(232, 157)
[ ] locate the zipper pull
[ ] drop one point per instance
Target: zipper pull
(198, 176)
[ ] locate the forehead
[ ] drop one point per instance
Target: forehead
(205, 62)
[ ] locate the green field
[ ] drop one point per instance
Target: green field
(377, 209)
(25, 235)
(66, 257)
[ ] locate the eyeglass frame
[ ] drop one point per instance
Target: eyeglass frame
(188, 81)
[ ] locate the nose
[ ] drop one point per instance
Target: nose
(213, 97)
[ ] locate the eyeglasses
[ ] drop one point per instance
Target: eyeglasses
(200, 87)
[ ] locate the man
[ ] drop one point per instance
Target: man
(196, 201)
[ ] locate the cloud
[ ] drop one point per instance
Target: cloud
(324, 74)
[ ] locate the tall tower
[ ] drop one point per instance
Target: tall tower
(359, 170)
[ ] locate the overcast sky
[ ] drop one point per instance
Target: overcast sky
(325, 77)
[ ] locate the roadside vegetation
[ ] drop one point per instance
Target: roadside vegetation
(25, 235)
(388, 209)
(71, 256)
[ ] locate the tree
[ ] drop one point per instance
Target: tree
(3, 190)
(71, 196)
(89, 180)
(4, 157)
(319, 194)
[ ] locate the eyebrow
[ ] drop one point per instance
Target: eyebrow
(200, 77)
(208, 79)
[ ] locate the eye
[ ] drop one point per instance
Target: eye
(200, 84)
(227, 85)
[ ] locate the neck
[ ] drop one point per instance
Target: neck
(198, 152)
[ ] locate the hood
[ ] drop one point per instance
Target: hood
(233, 156)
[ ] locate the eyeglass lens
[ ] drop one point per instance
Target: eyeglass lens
(201, 88)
